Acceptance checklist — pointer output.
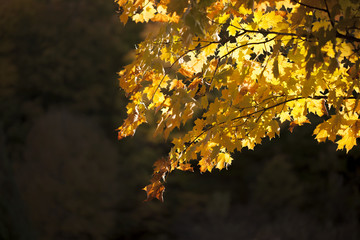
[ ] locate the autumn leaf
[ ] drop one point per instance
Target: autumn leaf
(297, 123)
(162, 165)
(348, 140)
(155, 190)
(185, 167)
(227, 74)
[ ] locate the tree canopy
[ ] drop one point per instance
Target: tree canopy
(231, 73)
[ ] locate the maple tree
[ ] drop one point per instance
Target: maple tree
(230, 72)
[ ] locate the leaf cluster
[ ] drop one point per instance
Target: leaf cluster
(237, 70)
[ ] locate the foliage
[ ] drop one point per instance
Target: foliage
(232, 72)
(324, 199)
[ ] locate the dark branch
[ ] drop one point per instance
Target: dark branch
(338, 35)
(262, 111)
(347, 37)
(328, 13)
(308, 6)
(265, 32)
(246, 44)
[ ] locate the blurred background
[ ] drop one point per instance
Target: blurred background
(64, 174)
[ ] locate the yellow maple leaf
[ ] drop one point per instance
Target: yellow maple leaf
(149, 12)
(230, 74)
(138, 18)
(348, 140)
(223, 160)
(316, 106)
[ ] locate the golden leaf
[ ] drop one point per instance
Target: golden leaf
(226, 74)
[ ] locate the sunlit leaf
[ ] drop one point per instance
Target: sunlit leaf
(227, 74)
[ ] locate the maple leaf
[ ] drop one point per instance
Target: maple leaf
(297, 123)
(186, 72)
(162, 165)
(229, 73)
(224, 159)
(155, 190)
(185, 167)
(348, 140)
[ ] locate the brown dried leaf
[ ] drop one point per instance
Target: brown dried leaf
(155, 190)
(162, 165)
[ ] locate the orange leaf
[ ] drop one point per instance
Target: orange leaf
(176, 84)
(185, 167)
(194, 83)
(160, 18)
(155, 190)
(185, 72)
(162, 165)
(296, 123)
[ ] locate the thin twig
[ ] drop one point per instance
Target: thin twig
(181, 56)
(328, 13)
(309, 6)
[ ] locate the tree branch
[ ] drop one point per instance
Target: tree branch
(262, 111)
(308, 6)
(328, 13)
(181, 56)
(270, 32)
(347, 37)
(246, 44)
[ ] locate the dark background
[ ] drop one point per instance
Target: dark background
(64, 174)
